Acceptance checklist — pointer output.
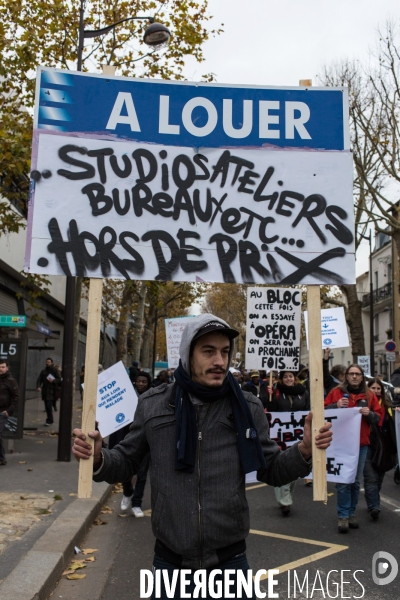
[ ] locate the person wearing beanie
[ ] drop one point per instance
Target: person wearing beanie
(203, 434)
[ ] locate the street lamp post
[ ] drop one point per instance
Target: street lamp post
(155, 35)
(371, 309)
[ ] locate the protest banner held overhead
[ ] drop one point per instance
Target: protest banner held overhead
(333, 328)
(273, 328)
(173, 181)
(173, 331)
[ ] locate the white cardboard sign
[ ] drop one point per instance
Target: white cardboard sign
(173, 331)
(273, 328)
(365, 363)
(116, 399)
(341, 456)
(113, 208)
(333, 328)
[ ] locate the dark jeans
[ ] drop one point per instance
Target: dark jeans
(238, 563)
(48, 404)
(348, 493)
(3, 420)
(372, 483)
(141, 482)
(141, 478)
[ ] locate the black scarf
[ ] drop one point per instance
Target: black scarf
(291, 390)
(249, 446)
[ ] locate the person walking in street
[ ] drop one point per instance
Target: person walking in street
(203, 434)
(289, 395)
(253, 385)
(381, 453)
(354, 392)
(335, 376)
(48, 381)
(9, 397)
(133, 371)
(133, 496)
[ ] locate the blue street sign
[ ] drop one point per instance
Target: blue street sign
(44, 329)
(191, 114)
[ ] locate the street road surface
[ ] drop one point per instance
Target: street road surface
(306, 544)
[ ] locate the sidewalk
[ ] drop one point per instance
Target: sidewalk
(41, 518)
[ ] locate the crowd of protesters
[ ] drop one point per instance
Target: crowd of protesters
(285, 391)
(344, 387)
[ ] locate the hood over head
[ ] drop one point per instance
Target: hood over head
(194, 329)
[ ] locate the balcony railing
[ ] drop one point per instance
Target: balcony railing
(382, 293)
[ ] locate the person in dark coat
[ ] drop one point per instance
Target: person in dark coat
(48, 382)
(9, 396)
(133, 496)
(336, 376)
(133, 371)
(253, 385)
(289, 395)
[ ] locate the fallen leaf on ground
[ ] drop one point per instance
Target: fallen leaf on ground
(22, 498)
(29, 469)
(122, 515)
(89, 550)
(91, 559)
(98, 521)
(106, 510)
(331, 494)
(22, 462)
(68, 572)
(77, 565)
(76, 576)
(40, 442)
(72, 494)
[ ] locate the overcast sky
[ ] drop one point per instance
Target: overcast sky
(279, 42)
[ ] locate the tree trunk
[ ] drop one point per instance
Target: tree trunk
(147, 336)
(354, 320)
(138, 321)
(123, 323)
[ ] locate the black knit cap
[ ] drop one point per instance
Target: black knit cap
(216, 326)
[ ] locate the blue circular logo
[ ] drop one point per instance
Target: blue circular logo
(120, 417)
(328, 341)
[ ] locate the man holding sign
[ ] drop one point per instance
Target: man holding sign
(203, 434)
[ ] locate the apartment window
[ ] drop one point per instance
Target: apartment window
(376, 279)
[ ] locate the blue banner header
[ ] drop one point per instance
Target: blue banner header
(191, 114)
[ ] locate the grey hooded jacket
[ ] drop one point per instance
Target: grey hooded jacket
(196, 515)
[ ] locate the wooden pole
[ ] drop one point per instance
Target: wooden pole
(91, 375)
(316, 378)
(316, 389)
(91, 367)
(270, 385)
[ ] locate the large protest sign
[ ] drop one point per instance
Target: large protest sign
(173, 331)
(341, 456)
(116, 399)
(273, 328)
(333, 328)
(162, 180)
